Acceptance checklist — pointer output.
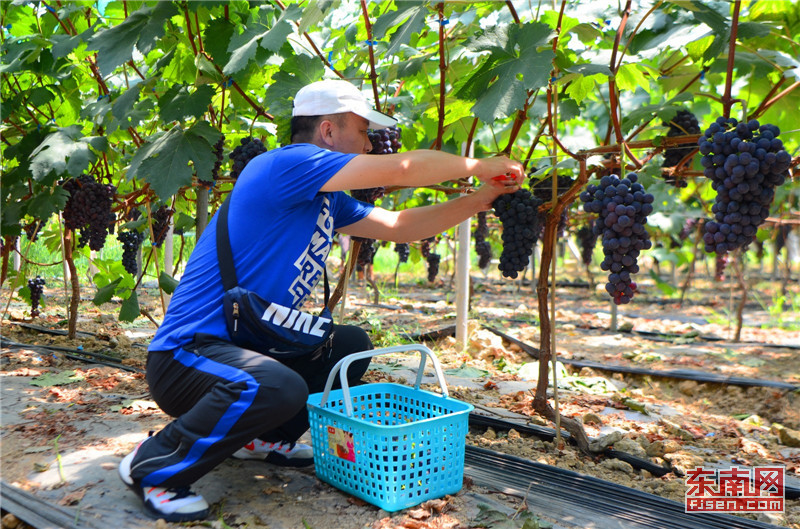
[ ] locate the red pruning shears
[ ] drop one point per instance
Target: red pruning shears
(505, 178)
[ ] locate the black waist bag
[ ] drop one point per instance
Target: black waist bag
(260, 325)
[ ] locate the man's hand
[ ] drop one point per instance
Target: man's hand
(488, 192)
(488, 169)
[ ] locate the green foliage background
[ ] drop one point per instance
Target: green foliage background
(137, 93)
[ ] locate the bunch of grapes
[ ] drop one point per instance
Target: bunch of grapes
(587, 239)
(160, 219)
(622, 206)
(425, 246)
(720, 263)
(219, 154)
(36, 286)
(131, 241)
(689, 225)
(433, 265)
(745, 162)
(482, 246)
(385, 141)
(403, 251)
(368, 195)
(519, 214)
(247, 149)
(366, 252)
(88, 209)
(684, 123)
(32, 230)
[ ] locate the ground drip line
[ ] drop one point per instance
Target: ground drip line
(574, 498)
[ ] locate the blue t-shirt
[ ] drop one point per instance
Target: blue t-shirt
(280, 226)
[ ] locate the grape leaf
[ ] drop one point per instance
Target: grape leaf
(104, 294)
(164, 163)
(129, 310)
(216, 40)
(141, 30)
(259, 33)
(513, 66)
(65, 150)
(122, 107)
(178, 103)
(167, 283)
(56, 379)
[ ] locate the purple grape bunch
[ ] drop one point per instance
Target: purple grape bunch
(745, 163)
(622, 206)
(385, 141)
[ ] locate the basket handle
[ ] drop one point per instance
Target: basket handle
(343, 364)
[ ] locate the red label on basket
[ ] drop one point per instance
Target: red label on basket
(340, 444)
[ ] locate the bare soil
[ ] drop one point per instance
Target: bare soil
(675, 423)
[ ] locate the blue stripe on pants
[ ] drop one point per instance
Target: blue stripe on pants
(225, 423)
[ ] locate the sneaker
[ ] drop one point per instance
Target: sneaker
(170, 504)
(281, 454)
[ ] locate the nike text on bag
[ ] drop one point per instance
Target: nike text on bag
(273, 329)
(269, 328)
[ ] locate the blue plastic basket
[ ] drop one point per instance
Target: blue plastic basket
(391, 445)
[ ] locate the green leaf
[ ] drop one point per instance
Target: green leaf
(130, 308)
(663, 286)
(64, 151)
(517, 66)
(586, 32)
(412, 26)
(582, 86)
(257, 33)
(313, 14)
(750, 30)
(105, 293)
(183, 222)
(630, 77)
(122, 107)
(164, 163)
(590, 69)
(178, 103)
(465, 371)
(56, 379)
(167, 283)
(217, 38)
(141, 29)
(391, 19)
(46, 202)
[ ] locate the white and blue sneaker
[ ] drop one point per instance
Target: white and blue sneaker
(170, 504)
(278, 453)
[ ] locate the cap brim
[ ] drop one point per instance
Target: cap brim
(378, 120)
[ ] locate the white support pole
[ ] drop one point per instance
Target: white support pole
(463, 233)
(16, 252)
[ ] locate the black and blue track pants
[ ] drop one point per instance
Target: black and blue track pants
(223, 396)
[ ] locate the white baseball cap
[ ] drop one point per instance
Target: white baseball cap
(333, 96)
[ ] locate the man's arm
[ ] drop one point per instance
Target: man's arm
(419, 168)
(418, 223)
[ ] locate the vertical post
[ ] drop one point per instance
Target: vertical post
(462, 275)
(201, 215)
(16, 253)
(613, 316)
